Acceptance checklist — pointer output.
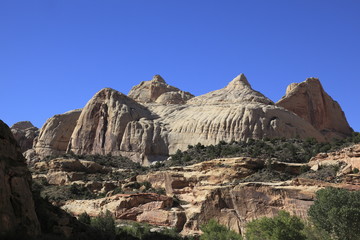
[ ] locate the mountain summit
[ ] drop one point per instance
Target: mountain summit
(157, 119)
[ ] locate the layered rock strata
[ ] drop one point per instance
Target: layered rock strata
(310, 101)
(17, 210)
(210, 190)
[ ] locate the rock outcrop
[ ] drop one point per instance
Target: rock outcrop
(157, 119)
(157, 90)
(349, 155)
(234, 113)
(310, 101)
(112, 123)
(142, 207)
(55, 134)
(17, 210)
(24, 133)
(210, 189)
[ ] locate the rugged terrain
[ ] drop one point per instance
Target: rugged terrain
(155, 120)
(164, 157)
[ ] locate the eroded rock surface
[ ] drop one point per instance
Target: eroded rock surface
(142, 207)
(349, 155)
(17, 210)
(157, 90)
(310, 101)
(112, 123)
(55, 134)
(164, 119)
(24, 133)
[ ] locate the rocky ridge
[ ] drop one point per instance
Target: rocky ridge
(157, 119)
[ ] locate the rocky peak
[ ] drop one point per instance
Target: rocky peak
(309, 100)
(158, 78)
(22, 125)
(240, 82)
(157, 90)
(237, 91)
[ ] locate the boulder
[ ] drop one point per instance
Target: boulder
(310, 101)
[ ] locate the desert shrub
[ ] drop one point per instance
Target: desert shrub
(281, 227)
(337, 211)
(104, 222)
(327, 173)
(84, 218)
(279, 149)
(214, 231)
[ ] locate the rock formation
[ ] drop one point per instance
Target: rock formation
(24, 133)
(156, 120)
(55, 135)
(234, 113)
(309, 101)
(17, 211)
(142, 207)
(156, 90)
(112, 123)
(349, 156)
(210, 189)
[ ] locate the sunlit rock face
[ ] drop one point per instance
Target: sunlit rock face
(157, 119)
(113, 123)
(55, 134)
(17, 210)
(310, 101)
(157, 90)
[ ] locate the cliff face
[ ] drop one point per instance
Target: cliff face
(55, 135)
(112, 123)
(234, 113)
(24, 133)
(17, 211)
(157, 119)
(310, 101)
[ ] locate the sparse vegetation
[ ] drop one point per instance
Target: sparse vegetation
(279, 149)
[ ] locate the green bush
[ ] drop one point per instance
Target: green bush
(84, 218)
(282, 227)
(104, 222)
(337, 211)
(214, 231)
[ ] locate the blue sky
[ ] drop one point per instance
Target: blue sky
(56, 54)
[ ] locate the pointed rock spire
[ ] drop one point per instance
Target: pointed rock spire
(158, 78)
(239, 82)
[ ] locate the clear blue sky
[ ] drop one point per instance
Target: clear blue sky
(56, 54)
